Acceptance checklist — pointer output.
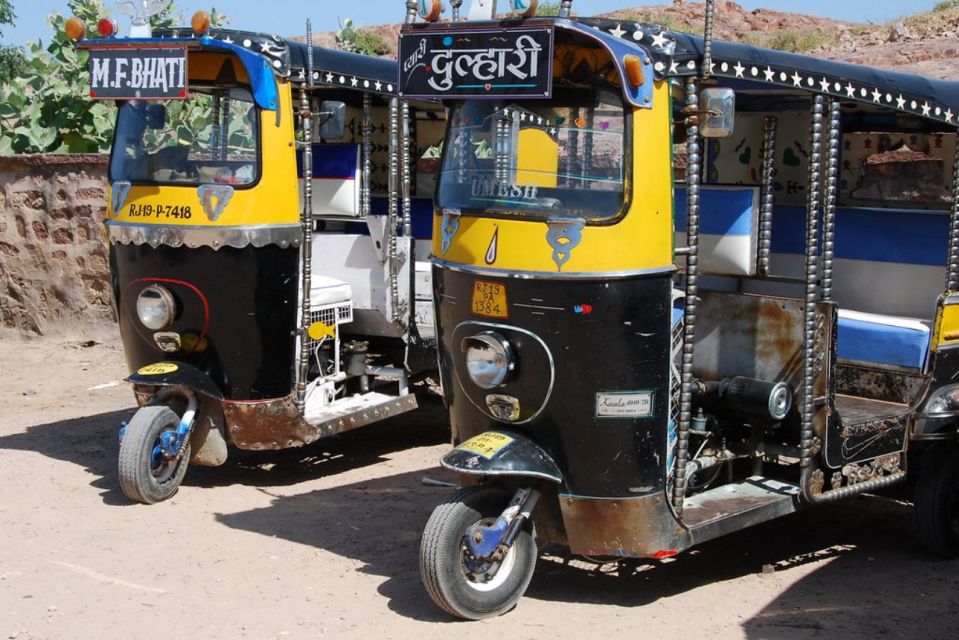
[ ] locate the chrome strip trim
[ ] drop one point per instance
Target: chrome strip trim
(550, 275)
(289, 235)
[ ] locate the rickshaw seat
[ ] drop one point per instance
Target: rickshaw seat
(336, 183)
(326, 291)
(873, 338)
(728, 224)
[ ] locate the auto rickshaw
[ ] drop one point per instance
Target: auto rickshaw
(693, 287)
(268, 241)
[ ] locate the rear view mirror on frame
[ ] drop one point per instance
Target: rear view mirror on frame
(718, 109)
(332, 119)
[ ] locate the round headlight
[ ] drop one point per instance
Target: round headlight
(489, 359)
(156, 308)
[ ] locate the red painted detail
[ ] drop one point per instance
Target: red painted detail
(194, 289)
(665, 553)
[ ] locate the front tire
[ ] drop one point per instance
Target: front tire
(145, 476)
(937, 507)
(459, 584)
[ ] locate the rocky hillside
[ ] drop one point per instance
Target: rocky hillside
(926, 43)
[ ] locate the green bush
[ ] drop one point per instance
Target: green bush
(369, 43)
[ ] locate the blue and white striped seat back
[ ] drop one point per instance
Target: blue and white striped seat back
(728, 223)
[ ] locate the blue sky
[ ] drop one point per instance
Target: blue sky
(288, 18)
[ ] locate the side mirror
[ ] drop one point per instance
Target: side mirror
(332, 119)
(718, 112)
(156, 116)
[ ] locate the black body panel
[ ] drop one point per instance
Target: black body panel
(236, 312)
(603, 335)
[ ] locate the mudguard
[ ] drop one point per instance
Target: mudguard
(176, 374)
(502, 453)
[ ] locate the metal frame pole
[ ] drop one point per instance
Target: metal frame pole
(693, 179)
(813, 195)
(767, 197)
(952, 276)
(306, 221)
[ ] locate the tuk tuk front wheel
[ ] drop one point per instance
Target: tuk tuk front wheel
(460, 584)
(145, 474)
(936, 514)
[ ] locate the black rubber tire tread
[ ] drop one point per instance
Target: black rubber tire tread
(439, 555)
(936, 494)
(136, 480)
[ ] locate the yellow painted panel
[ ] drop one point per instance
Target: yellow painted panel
(537, 159)
(641, 240)
(947, 326)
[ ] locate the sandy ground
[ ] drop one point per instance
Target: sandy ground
(323, 542)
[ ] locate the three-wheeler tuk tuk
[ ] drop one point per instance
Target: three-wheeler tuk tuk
(263, 224)
(692, 287)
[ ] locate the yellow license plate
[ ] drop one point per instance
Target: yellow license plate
(486, 444)
(489, 299)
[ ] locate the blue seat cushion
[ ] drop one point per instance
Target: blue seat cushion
(881, 339)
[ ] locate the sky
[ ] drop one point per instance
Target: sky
(286, 18)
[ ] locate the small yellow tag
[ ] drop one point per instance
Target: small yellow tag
(486, 444)
(158, 369)
(319, 330)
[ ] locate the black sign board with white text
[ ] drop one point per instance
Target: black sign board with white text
(130, 74)
(482, 64)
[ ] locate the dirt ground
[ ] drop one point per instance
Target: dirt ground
(323, 542)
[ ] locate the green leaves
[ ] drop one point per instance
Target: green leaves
(45, 105)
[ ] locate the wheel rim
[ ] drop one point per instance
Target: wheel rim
(161, 468)
(475, 570)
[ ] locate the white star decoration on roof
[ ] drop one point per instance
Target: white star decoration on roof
(618, 31)
(829, 86)
(659, 40)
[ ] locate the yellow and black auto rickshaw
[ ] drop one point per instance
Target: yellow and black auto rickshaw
(692, 286)
(264, 222)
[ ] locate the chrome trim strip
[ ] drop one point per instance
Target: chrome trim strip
(550, 275)
(288, 235)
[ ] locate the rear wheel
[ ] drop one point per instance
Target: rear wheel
(465, 586)
(937, 507)
(146, 475)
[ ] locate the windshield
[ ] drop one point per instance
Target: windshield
(538, 158)
(210, 138)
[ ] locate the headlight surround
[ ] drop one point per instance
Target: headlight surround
(489, 359)
(156, 308)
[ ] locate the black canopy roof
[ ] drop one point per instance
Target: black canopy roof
(680, 54)
(287, 58)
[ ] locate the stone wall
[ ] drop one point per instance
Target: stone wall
(54, 274)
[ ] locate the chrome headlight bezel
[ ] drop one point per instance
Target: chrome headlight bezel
(489, 359)
(156, 308)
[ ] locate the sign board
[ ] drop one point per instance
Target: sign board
(624, 404)
(500, 63)
(138, 74)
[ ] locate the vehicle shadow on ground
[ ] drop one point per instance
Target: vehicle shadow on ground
(869, 550)
(92, 443)
(867, 542)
